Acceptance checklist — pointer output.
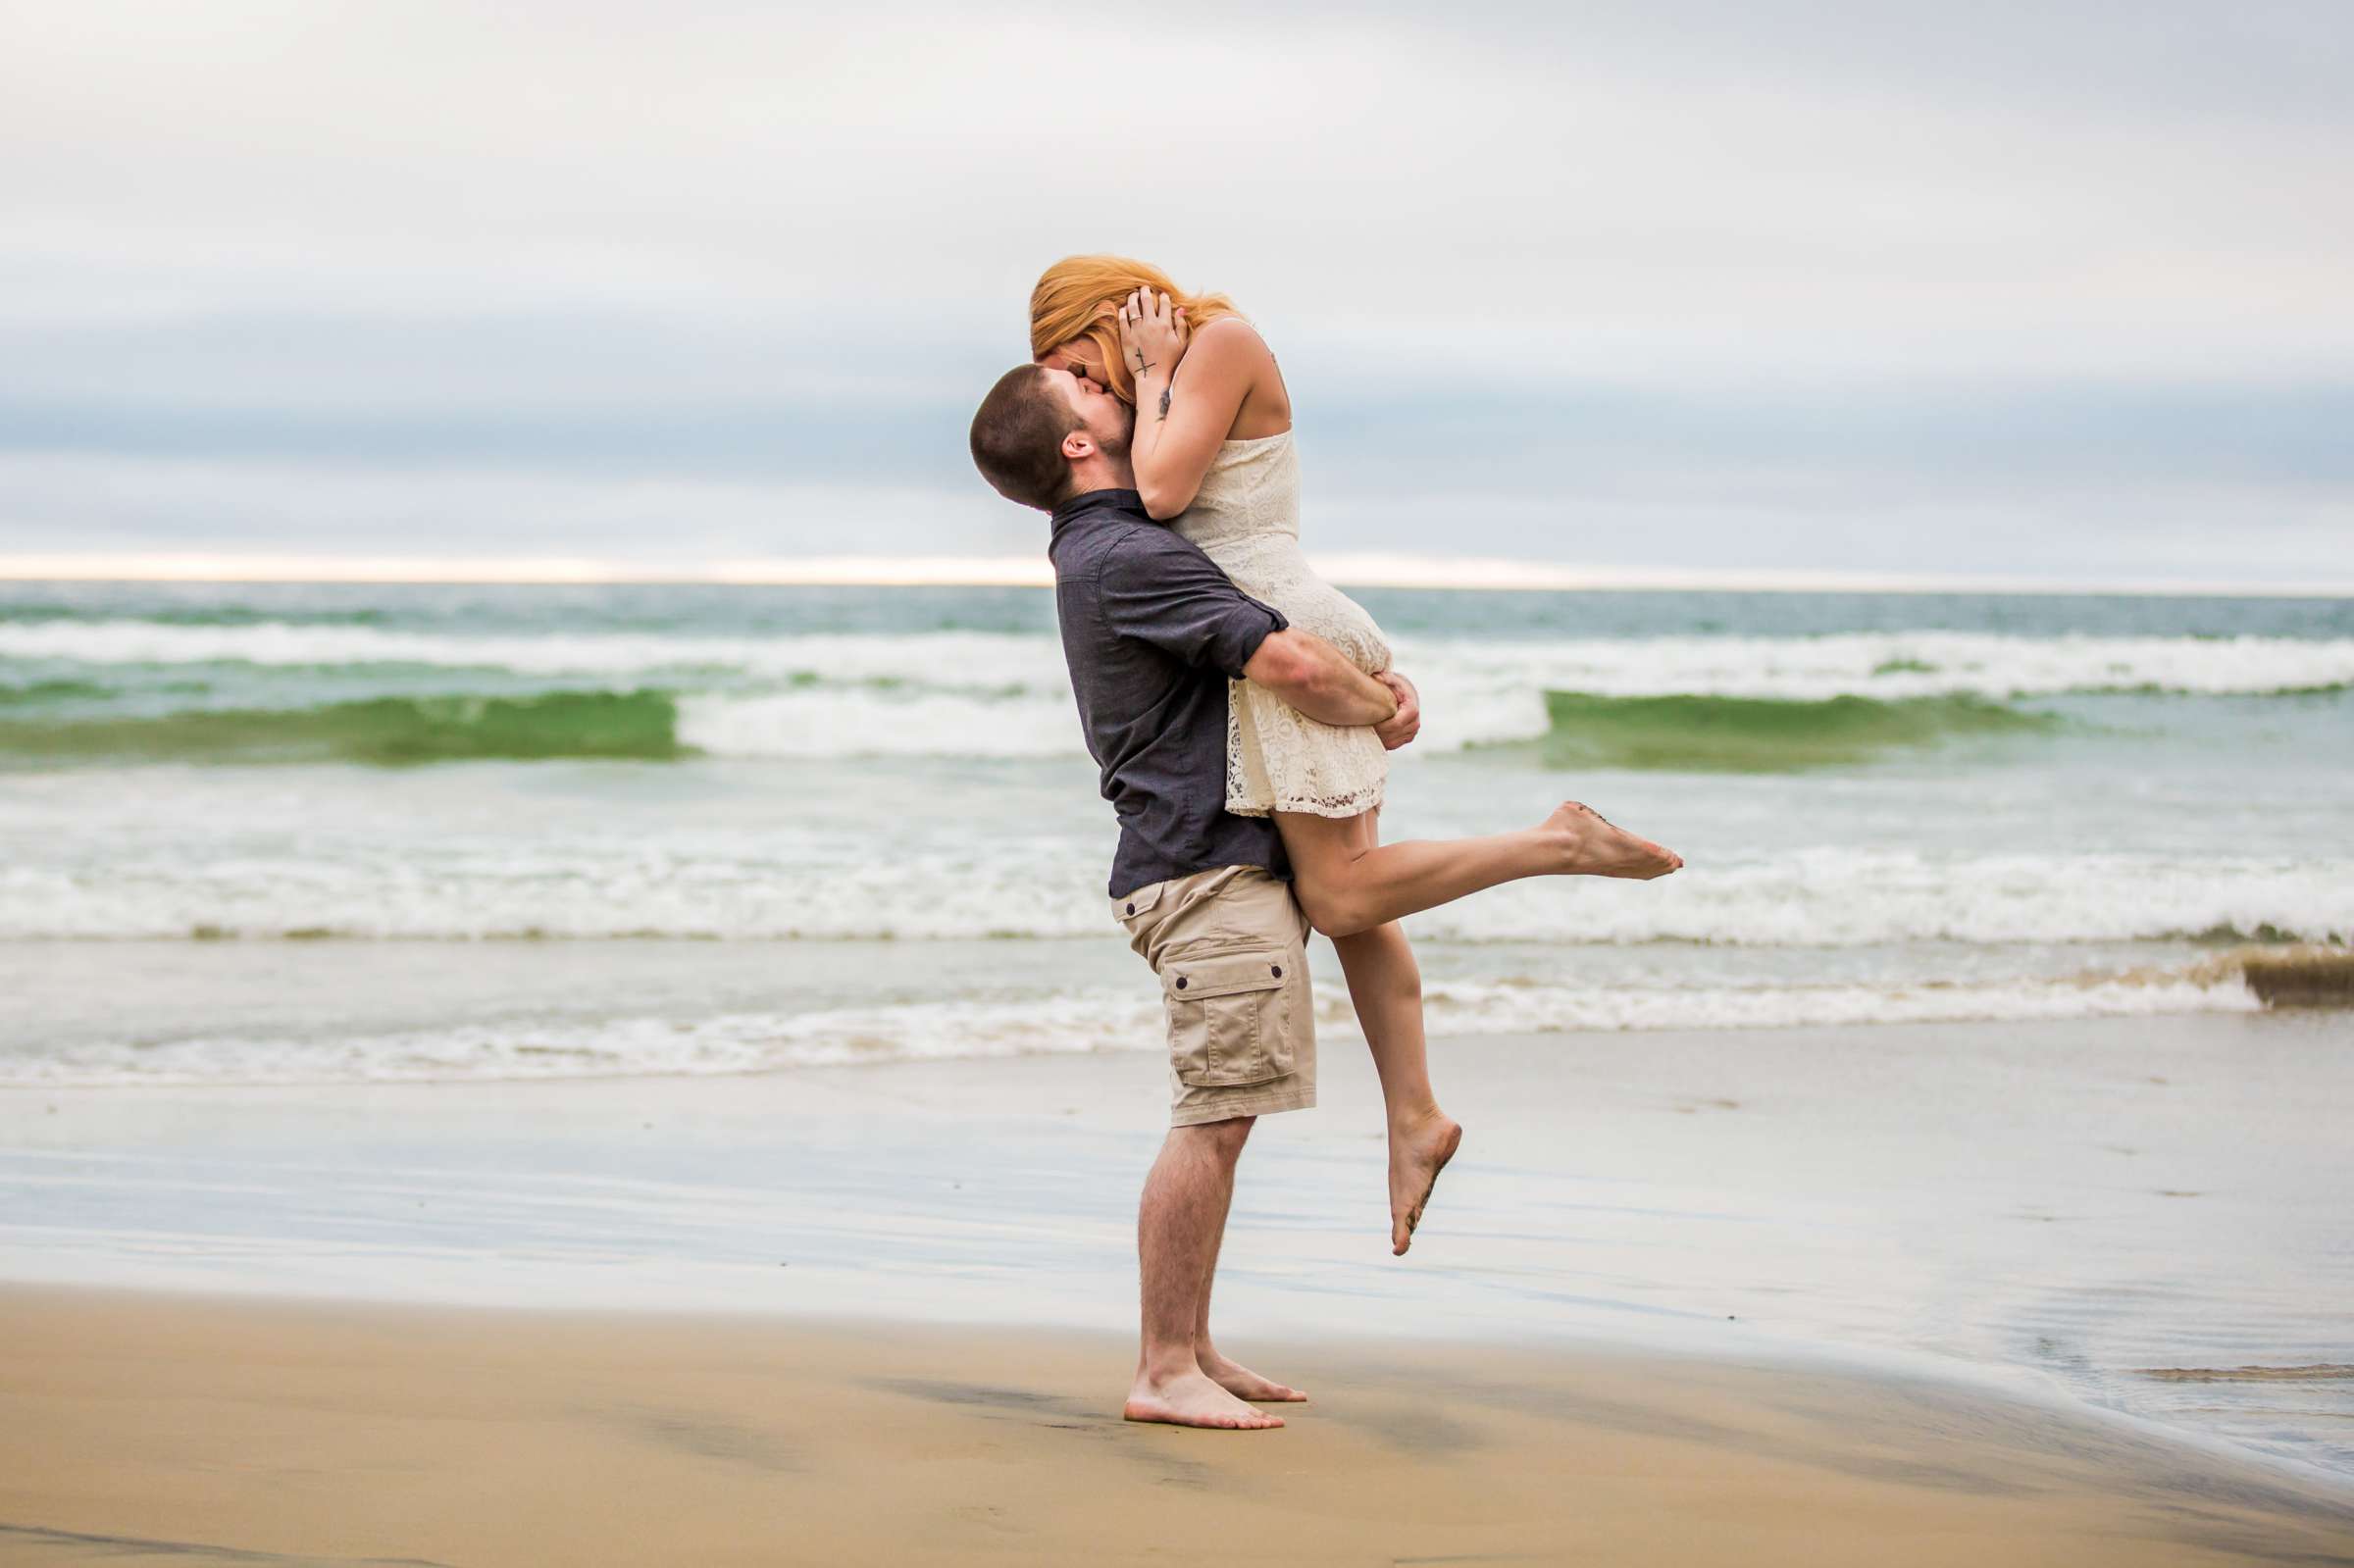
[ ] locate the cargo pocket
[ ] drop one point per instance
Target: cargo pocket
(1139, 902)
(1230, 1016)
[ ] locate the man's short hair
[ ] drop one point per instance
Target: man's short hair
(1017, 438)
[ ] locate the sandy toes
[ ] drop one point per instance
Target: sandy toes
(1600, 848)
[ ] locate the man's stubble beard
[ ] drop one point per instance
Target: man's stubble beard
(1117, 443)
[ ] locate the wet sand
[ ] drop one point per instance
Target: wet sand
(141, 1428)
(2087, 1204)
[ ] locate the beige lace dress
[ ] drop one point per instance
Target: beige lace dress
(1246, 518)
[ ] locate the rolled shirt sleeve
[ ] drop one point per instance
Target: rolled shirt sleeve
(1158, 588)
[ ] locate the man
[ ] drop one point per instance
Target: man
(1152, 632)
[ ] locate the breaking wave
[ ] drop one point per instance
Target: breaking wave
(1107, 1019)
(269, 690)
(384, 731)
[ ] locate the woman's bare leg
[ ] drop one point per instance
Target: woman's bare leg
(1346, 884)
(1385, 987)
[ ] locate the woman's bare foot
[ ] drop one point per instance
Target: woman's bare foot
(1191, 1399)
(1596, 846)
(1417, 1154)
(1243, 1383)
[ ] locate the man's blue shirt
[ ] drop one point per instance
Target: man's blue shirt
(1152, 632)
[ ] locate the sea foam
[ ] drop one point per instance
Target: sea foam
(1126, 1019)
(1809, 898)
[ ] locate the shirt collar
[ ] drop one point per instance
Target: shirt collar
(1087, 501)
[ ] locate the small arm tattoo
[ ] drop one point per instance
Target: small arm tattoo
(1164, 401)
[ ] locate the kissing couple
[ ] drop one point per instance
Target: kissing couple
(1241, 711)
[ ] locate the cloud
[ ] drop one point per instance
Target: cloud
(1803, 263)
(65, 502)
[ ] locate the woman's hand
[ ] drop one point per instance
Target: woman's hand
(1152, 335)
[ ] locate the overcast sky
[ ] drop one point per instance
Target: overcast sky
(2043, 289)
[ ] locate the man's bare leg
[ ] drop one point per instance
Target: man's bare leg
(1178, 1226)
(1347, 884)
(1232, 1376)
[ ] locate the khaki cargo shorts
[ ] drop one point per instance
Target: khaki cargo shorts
(1230, 946)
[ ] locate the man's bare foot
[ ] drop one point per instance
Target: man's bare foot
(1417, 1154)
(1243, 1383)
(1598, 847)
(1191, 1399)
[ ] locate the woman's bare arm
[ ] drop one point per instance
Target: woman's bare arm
(1189, 388)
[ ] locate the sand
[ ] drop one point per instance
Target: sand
(2087, 1202)
(141, 1428)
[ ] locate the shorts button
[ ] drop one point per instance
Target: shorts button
(1132, 909)
(1275, 970)
(1181, 983)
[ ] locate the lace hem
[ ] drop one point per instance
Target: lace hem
(1356, 805)
(1279, 759)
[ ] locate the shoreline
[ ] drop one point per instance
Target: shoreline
(2089, 1207)
(138, 1427)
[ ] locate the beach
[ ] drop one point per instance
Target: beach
(618, 841)
(642, 1074)
(2079, 1211)
(148, 1428)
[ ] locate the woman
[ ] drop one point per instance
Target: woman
(1212, 450)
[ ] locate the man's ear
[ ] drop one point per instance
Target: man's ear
(1077, 446)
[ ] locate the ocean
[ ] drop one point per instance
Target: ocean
(1894, 807)
(869, 813)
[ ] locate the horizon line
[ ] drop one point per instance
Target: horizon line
(1368, 571)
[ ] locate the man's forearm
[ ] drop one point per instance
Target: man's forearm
(1346, 696)
(1317, 679)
